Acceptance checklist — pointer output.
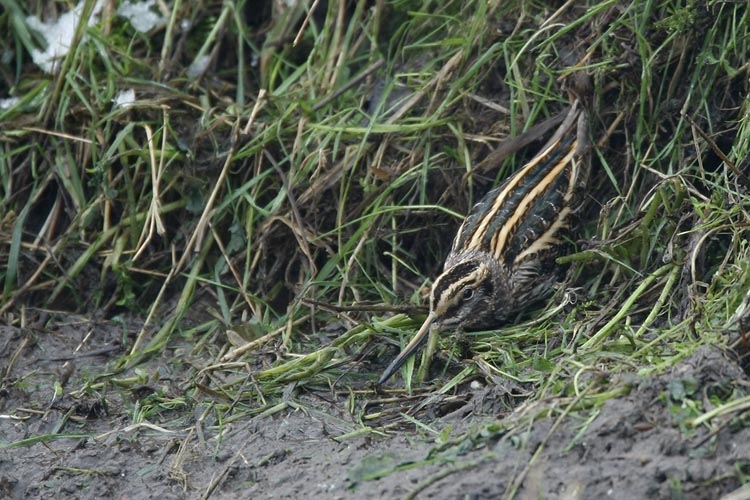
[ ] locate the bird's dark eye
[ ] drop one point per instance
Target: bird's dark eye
(468, 293)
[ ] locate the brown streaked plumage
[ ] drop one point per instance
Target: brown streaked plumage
(503, 256)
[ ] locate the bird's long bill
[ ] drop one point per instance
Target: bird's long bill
(410, 349)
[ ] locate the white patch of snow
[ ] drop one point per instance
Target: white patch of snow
(140, 15)
(59, 35)
(125, 98)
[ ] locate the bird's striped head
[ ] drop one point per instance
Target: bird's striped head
(464, 295)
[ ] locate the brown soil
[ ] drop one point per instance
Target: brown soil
(639, 445)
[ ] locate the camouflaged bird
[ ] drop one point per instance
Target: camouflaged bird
(503, 256)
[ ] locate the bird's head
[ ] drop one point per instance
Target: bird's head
(465, 295)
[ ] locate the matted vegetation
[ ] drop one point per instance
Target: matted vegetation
(286, 184)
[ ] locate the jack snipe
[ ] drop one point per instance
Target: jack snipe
(503, 256)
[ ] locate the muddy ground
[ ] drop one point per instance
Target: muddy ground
(639, 445)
